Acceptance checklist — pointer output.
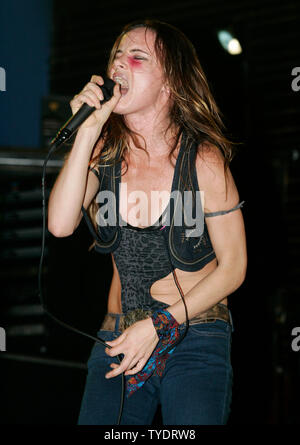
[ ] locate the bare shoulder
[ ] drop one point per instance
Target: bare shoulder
(212, 179)
(209, 159)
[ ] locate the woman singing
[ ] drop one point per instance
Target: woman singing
(175, 262)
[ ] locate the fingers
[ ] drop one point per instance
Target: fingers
(139, 365)
(136, 361)
(91, 94)
(128, 361)
(85, 97)
(137, 347)
(94, 92)
(135, 365)
(97, 79)
(116, 349)
(117, 341)
(117, 90)
(137, 368)
(119, 369)
(110, 104)
(114, 365)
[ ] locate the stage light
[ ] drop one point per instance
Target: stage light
(229, 43)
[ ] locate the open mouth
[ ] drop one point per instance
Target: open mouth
(123, 83)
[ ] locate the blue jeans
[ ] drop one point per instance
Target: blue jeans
(195, 388)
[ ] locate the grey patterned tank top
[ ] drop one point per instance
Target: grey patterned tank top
(141, 259)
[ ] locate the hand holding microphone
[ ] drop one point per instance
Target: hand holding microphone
(103, 100)
(91, 107)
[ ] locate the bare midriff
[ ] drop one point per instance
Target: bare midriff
(157, 176)
(165, 289)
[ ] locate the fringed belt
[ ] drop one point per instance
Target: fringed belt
(217, 312)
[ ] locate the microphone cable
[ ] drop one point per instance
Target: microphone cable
(72, 328)
(40, 287)
(187, 325)
(60, 138)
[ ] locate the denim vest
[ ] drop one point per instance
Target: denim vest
(186, 252)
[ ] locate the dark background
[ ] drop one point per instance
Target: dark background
(49, 50)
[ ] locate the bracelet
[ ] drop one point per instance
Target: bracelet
(167, 329)
(166, 326)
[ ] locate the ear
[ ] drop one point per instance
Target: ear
(166, 89)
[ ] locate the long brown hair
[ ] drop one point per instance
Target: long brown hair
(192, 110)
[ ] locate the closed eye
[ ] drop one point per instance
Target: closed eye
(134, 57)
(119, 52)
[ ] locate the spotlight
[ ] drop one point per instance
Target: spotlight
(229, 42)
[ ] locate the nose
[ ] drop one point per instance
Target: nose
(120, 61)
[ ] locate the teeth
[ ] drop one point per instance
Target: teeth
(121, 81)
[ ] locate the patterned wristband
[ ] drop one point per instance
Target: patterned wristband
(167, 330)
(166, 326)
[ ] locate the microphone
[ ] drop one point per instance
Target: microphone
(72, 124)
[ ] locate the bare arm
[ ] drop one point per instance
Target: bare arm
(75, 186)
(227, 234)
